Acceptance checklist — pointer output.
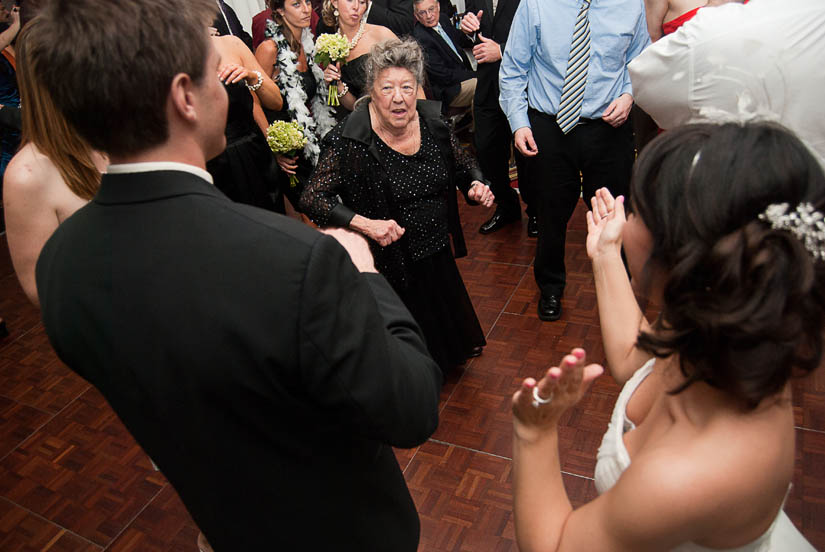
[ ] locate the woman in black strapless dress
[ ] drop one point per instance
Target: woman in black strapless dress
(246, 171)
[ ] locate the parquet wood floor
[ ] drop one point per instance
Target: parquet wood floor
(73, 479)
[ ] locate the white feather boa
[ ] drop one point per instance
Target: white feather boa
(320, 120)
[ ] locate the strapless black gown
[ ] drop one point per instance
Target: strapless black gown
(246, 171)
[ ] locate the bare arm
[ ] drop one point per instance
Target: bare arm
(620, 317)
(655, 11)
(266, 54)
(8, 36)
(269, 93)
(668, 496)
(32, 194)
(258, 114)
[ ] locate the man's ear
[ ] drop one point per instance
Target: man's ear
(182, 97)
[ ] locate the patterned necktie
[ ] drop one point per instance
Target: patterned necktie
(572, 93)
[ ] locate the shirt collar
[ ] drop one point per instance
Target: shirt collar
(149, 166)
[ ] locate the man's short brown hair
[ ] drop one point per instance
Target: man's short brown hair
(109, 64)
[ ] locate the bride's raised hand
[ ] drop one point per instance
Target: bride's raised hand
(605, 221)
(537, 406)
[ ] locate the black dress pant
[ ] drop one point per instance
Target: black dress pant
(492, 141)
(567, 166)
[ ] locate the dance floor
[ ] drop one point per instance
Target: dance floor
(72, 478)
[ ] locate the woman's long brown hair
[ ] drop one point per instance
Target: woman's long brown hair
(46, 127)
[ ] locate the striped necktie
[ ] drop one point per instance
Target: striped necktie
(572, 93)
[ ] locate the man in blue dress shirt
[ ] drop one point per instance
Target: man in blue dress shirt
(567, 95)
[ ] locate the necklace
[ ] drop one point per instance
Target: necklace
(354, 42)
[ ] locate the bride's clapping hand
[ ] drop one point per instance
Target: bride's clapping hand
(539, 405)
(605, 221)
(232, 73)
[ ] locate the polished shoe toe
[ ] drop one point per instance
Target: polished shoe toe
(497, 222)
(549, 308)
(475, 352)
(532, 227)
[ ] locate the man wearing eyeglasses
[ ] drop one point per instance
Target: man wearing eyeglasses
(451, 76)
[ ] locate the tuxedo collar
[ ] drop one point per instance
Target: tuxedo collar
(136, 187)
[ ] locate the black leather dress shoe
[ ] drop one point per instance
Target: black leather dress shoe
(476, 352)
(532, 227)
(497, 222)
(549, 308)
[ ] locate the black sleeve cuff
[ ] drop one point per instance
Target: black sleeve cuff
(341, 215)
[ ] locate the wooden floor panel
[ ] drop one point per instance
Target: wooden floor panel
(72, 478)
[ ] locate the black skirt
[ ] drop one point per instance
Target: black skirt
(436, 297)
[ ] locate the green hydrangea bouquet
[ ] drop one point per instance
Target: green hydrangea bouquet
(331, 48)
(286, 138)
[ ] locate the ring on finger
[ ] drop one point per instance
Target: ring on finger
(537, 400)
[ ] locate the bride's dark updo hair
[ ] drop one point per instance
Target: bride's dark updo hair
(743, 303)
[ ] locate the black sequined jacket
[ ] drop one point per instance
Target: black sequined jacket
(351, 178)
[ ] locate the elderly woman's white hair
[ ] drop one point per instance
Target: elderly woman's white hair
(404, 53)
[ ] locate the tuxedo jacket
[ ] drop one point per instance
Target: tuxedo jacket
(396, 15)
(262, 372)
(496, 27)
(445, 70)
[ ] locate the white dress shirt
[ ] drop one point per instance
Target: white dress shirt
(740, 62)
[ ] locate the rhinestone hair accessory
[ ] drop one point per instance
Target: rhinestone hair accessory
(805, 222)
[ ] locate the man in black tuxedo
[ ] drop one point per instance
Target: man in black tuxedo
(396, 15)
(488, 23)
(450, 74)
(264, 369)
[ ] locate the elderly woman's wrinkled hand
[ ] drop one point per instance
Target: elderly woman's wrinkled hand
(384, 232)
(605, 222)
(539, 405)
(232, 73)
(481, 193)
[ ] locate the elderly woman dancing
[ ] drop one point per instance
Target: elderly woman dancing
(395, 165)
(727, 233)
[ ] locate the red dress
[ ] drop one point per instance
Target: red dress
(671, 26)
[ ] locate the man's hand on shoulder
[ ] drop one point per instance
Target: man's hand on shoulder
(617, 112)
(357, 247)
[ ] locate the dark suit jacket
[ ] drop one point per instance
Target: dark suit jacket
(396, 15)
(445, 70)
(497, 28)
(264, 375)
